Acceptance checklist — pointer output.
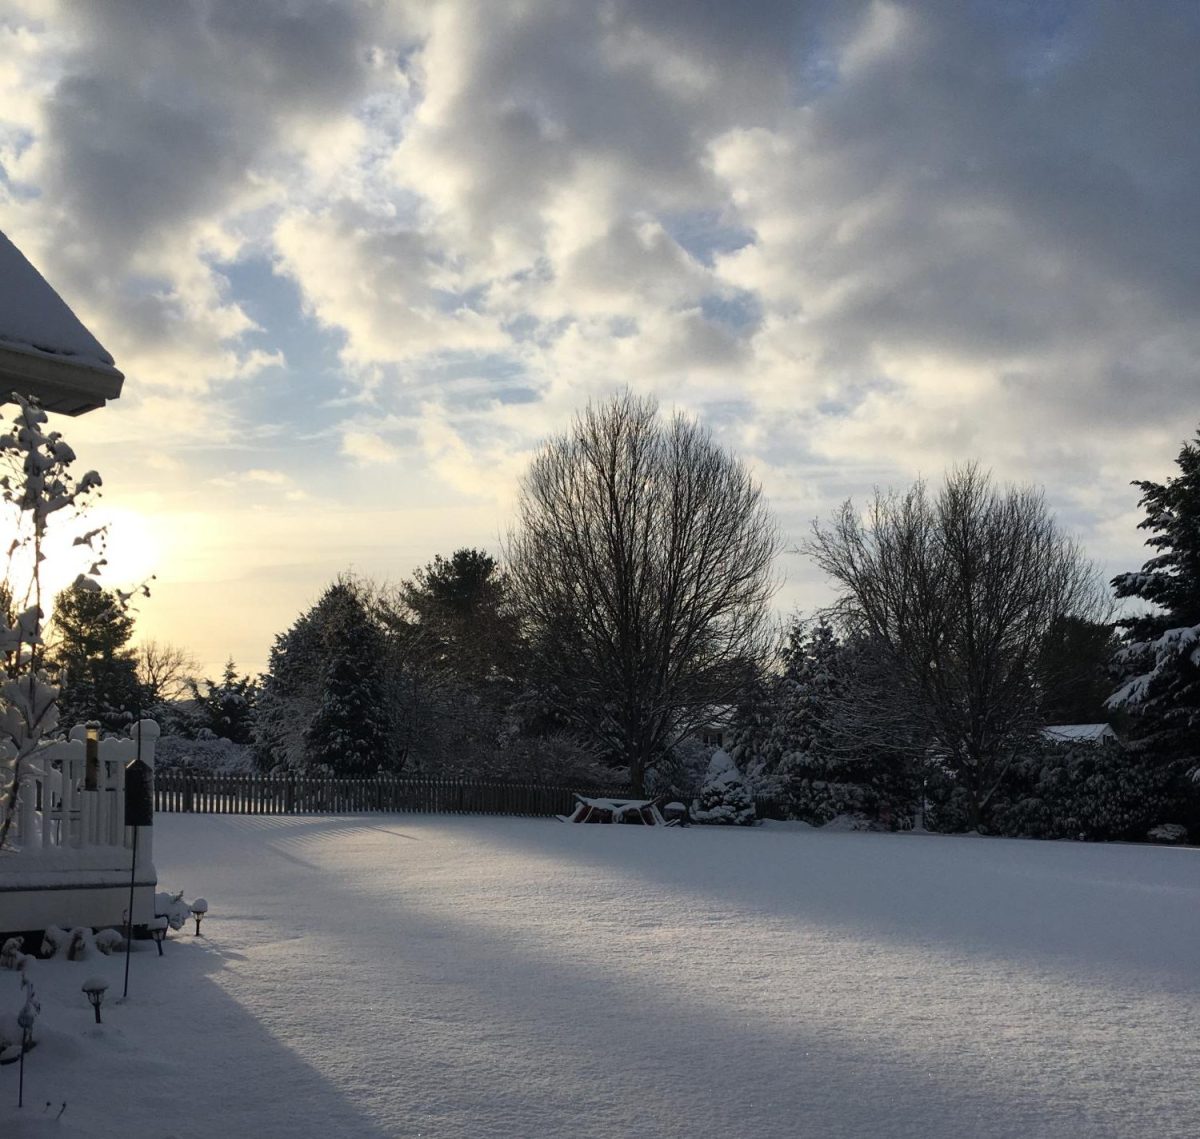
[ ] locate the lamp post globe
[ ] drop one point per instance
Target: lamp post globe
(95, 988)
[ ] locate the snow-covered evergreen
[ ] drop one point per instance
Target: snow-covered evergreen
(724, 797)
(348, 732)
(1159, 665)
(224, 709)
(321, 702)
(807, 737)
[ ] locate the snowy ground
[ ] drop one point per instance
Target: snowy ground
(419, 975)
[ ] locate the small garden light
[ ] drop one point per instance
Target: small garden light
(199, 908)
(95, 987)
(158, 930)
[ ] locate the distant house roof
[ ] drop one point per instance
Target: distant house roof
(45, 350)
(1078, 733)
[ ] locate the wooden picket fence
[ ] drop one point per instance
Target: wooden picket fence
(240, 794)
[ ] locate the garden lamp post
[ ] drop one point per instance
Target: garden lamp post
(199, 908)
(95, 987)
(25, 1019)
(158, 931)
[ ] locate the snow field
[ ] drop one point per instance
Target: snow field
(450, 976)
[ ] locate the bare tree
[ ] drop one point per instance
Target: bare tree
(959, 593)
(641, 564)
(165, 671)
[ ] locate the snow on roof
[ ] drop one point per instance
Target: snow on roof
(34, 318)
(1078, 733)
(45, 350)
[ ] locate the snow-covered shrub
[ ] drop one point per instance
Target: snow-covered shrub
(1168, 833)
(75, 944)
(1085, 791)
(820, 801)
(173, 908)
(55, 939)
(82, 944)
(724, 797)
(174, 753)
(11, 953)
(109, 941)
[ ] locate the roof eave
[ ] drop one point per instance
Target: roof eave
(60, 384)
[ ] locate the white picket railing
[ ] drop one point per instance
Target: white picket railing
(60, 807)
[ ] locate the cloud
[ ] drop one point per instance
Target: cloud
(368, 447)
(862, 240)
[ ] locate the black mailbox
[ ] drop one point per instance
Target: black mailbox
(139, 794)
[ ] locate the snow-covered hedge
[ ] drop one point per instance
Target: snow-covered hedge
(1080, 791)
(174, 753)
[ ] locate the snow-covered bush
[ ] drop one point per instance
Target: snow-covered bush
(724, 797)
(109, 941)
(75, 944)
(173, 908)
(1084, 791)
(820, 801)
(1168, 833)
(174, 753)
(11, 953)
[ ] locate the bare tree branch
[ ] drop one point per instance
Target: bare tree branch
(960, 591)
(642, 565)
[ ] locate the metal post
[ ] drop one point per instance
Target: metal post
(129, 921)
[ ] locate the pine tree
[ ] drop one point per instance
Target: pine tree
(98, 673)
(1159, 665)
(814, 762)
(225, 708)
(288, 696)
(322, 701)
(348, 733)
(724, 797)
(455, 664)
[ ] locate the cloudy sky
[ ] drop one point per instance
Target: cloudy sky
(357, 258)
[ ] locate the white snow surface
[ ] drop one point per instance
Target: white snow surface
(400, 975)
(35, 319)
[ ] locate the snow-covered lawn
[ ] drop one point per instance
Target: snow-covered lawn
(421, 975)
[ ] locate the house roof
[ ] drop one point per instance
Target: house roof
(1078, 733)
(45, 350)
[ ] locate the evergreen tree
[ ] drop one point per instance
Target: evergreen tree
(724, 798)
(455, 665)
(1158, 666)
(225, 708)
(460, 605)
(348, 733)
(288, 695)
(322, 702)
(822, 769)
(91, 628)
(752, 732)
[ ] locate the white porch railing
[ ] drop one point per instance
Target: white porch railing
(62, 806)
(69, 856)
